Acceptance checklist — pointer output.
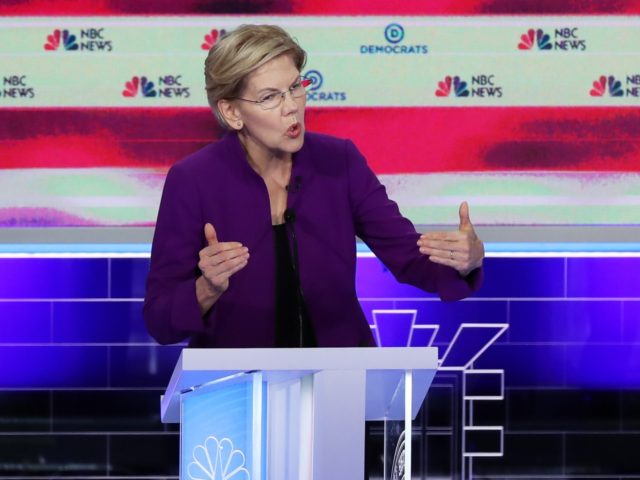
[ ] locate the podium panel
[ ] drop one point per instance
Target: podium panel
(254, 414)
(222, 429)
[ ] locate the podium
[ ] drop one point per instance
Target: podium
(255, 414)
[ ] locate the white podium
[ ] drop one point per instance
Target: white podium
(284, 414)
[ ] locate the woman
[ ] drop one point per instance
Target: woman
(255, 239)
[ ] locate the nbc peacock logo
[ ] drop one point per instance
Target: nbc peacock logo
(211, 38)
(607, 85)
(535, 39)
(454, 85)
(61, 39)
(139, 87)
(218, 459)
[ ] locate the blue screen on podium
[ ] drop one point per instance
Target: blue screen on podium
(219, 434)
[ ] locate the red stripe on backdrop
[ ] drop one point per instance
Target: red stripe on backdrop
(395, 140)
(316, 7)
(465, 7)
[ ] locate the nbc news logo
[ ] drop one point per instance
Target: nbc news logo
(610, 86)
(483, 86)
(91, 40)
(168, 86)
(17, 87)
(564, 39)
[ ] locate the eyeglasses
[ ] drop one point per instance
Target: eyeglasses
(274, 99)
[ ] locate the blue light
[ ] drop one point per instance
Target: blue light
(144, 249)
(545, 247)
(20, 249)
(561, 247)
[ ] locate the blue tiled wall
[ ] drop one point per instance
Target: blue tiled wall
(50, 278)
(75, 360)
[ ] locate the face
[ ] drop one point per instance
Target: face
(279, 131)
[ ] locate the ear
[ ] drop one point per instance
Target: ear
(230, 113)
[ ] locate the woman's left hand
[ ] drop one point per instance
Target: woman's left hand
(462, 249)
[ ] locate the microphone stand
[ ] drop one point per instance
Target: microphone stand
(290, 218)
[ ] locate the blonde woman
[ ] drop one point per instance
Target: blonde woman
(255, 243)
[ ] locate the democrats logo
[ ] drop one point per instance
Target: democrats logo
(480, 86)
(166, 86)
(610, 86)
(564, 39)
(16, 87)
(211, 38)
(394, 34)
(315, 92)
(88, 40)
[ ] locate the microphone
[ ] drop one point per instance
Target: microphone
(290, 216)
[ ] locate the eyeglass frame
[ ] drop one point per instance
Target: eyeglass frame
(305, 82)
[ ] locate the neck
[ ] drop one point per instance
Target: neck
(263, 160)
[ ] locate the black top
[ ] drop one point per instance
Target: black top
(293, 328)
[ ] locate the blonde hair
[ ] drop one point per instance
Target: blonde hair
(238, 53)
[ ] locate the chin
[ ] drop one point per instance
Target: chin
(294, 145)
(299, 144)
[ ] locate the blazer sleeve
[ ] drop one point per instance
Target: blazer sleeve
(393, 238)
(171, 311)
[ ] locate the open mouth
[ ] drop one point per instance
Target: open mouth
(294, 130)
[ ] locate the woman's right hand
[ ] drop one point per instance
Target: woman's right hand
(220, 260)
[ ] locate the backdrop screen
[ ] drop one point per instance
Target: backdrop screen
(528, 113)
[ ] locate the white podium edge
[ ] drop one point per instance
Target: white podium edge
(197, 366)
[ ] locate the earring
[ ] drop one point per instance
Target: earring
(239, 124)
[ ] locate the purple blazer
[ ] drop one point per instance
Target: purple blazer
(336, 197)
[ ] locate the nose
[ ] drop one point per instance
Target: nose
(289, 104)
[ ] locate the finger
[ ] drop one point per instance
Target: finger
(223, 257)
(219, 247)
(459, 256)
(235, 269)
(454, 236)
(210, 234)
(224, 270)
(438, 235)
(465, 221)
(458, 245)
(229, 255)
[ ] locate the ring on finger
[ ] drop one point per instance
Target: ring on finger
(451, 254)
